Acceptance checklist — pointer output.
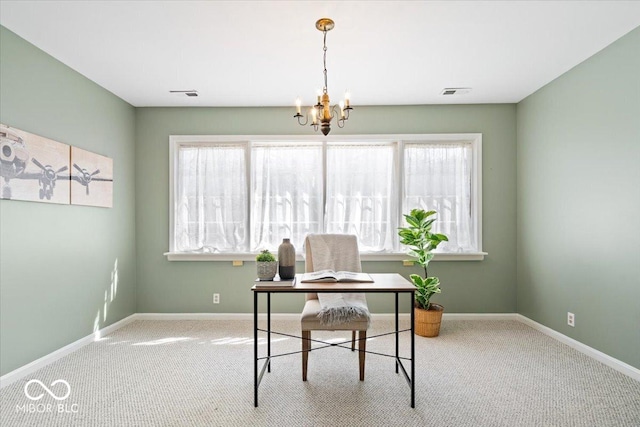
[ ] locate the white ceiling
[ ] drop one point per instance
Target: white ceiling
(266, 53)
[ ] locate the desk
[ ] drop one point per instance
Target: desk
(383, 283)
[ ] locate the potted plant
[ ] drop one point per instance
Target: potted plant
(421, 242)
(267, 265)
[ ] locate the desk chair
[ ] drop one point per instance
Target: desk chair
(338, 252)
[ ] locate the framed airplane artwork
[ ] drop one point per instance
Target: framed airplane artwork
(38, 169)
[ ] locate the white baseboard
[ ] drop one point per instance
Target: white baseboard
(611, 362)
(294, 316)
(238, 316)
(480, 316)
(213, 316)
(30, 368)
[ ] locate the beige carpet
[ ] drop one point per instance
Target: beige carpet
(200, 373)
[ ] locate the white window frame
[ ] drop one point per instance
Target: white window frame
(475, 139)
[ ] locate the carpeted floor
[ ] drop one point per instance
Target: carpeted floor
(200, 373)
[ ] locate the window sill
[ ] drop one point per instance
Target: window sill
(185, 256)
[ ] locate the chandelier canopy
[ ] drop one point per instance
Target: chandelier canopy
(322, 113)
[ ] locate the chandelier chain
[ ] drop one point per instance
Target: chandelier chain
(324, 60)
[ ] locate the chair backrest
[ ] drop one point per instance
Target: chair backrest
(337, 252)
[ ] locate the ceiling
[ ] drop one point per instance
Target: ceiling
(266, 53)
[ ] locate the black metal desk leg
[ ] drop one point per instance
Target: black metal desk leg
(397, 333)
(413, 353)
(268, 331)
(255, 349)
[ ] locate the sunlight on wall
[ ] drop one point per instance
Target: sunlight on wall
(96, 327)
(114, 281)
(113, 291)
(109, 295)
(105, 307)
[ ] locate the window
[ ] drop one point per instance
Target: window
(233, 196)
(287, 193)
(438, 177)
(361, 182)
(211, 199)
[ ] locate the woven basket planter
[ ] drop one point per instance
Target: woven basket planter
(427, 322)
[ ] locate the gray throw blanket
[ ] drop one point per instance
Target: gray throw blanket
(338, 252)
(342, 308)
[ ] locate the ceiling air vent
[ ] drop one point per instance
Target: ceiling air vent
(186, 92)
(455, 90)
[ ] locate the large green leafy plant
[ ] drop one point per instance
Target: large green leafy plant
(421, 242)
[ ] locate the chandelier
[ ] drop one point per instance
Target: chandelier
(322, 113)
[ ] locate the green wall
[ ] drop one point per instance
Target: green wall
(579, 202)
(59, 264)
(474, 287)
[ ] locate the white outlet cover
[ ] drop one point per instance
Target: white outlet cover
(571, 319)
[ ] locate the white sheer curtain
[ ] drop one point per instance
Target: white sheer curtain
(287, 193)
(295, 190)
(361, 182)
(438, 177)
(211, 199)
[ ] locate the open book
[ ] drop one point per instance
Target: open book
(335, 276)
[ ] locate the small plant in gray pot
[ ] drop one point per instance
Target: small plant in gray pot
(267, 265)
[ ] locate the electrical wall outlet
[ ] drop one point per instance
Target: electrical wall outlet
(216, 298)
(571, 319)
